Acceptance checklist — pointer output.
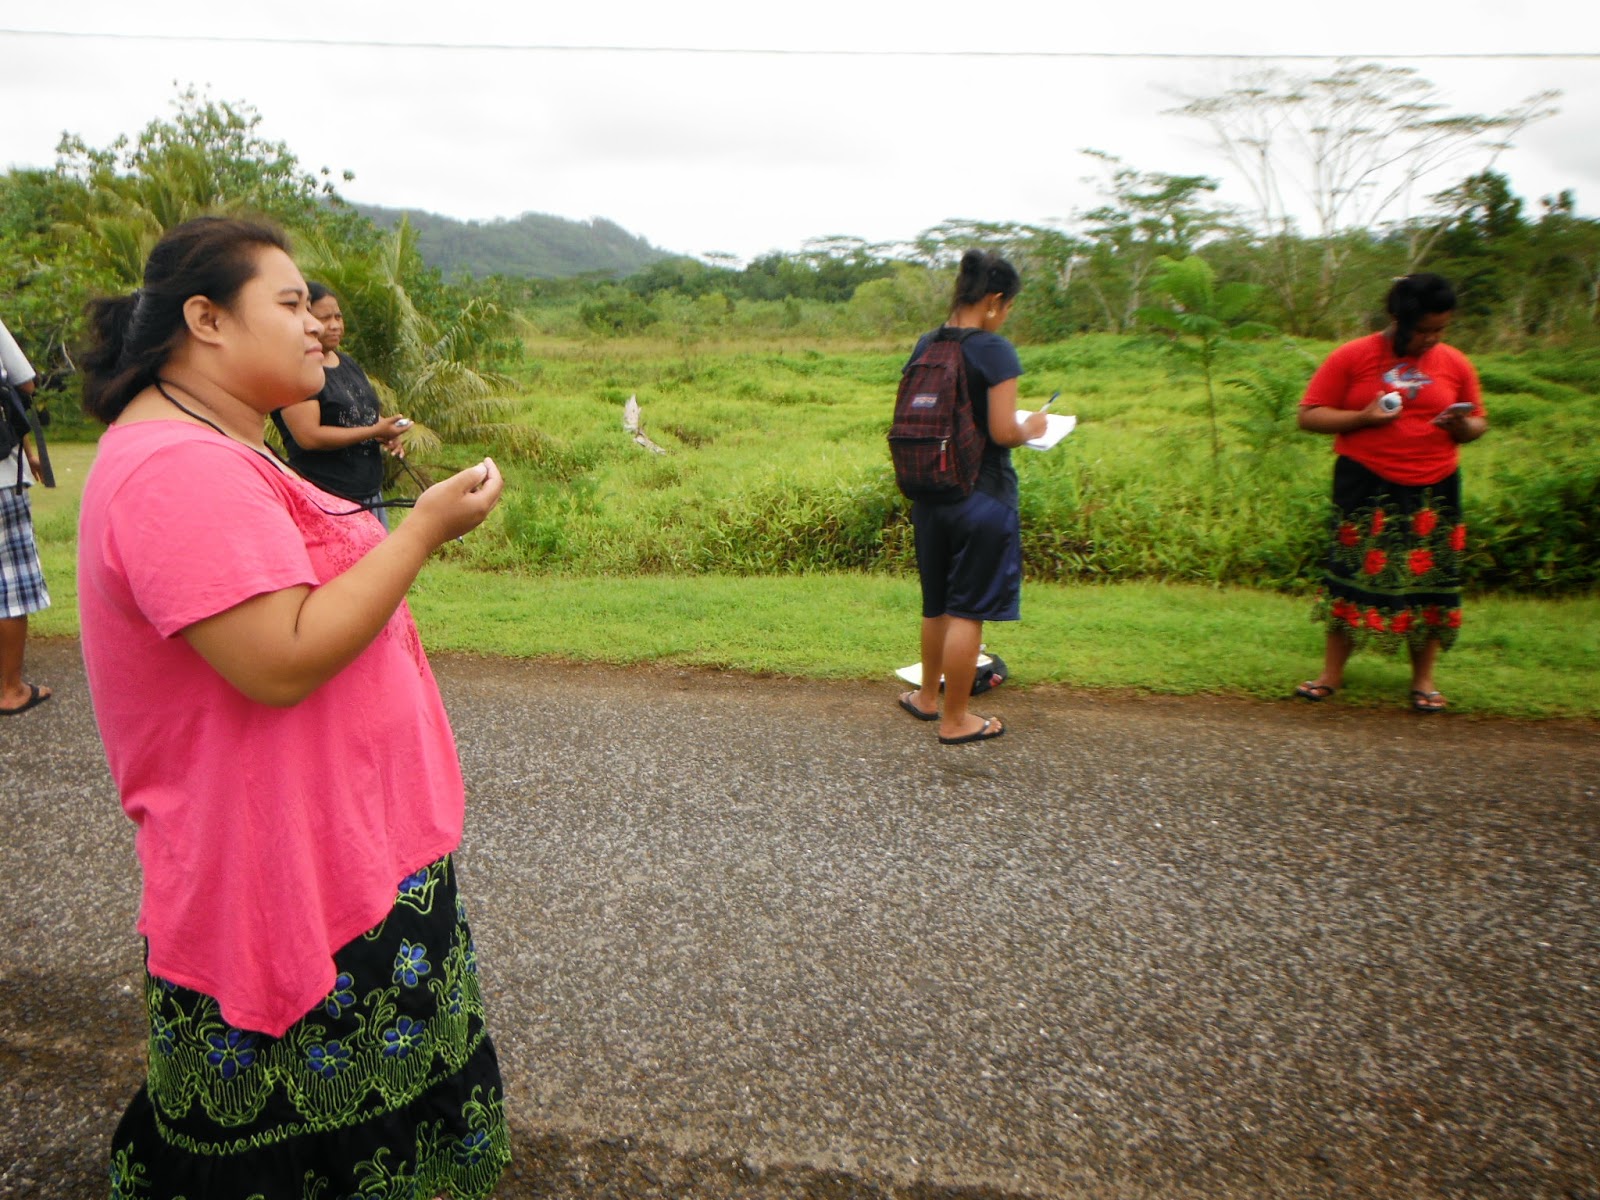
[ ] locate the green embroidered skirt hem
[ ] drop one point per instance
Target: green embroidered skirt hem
(1395, 551)
(389, 1088)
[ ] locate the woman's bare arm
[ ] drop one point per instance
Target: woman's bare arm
(305, 426)
(1004, 428)
(279, 647)
(1318, 418)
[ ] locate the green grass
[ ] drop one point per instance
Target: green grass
(55, 527)
(729, 552)
(1516, 657)
(776, 464)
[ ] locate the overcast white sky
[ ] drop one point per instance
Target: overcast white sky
(751, 152)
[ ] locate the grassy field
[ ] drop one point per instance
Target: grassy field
(1518, 656)
(776, 465)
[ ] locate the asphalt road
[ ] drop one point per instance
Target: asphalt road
(764, 938)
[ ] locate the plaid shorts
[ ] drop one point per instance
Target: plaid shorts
(22, 589)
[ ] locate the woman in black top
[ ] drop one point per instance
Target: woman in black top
(334, 438)
(969, 553)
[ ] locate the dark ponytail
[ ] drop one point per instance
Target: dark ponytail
(135, 335)
(132, 339)
(1413, 297)
(983, 273)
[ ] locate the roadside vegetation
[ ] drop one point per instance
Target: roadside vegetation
(775, 464)
(1171, 542)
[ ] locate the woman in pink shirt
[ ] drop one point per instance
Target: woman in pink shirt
(1399, 405)
(277, 738)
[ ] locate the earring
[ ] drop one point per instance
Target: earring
(991, 312)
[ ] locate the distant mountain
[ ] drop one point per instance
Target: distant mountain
(533, 244)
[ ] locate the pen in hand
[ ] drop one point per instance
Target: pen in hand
(1049, 402)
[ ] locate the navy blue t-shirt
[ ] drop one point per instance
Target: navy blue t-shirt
(990, 360)
(349, 401)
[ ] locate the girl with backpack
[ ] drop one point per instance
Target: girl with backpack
(969, 551)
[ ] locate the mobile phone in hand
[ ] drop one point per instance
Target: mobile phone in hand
(1453, 411)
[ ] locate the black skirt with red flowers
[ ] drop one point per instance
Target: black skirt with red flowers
(1394, 560)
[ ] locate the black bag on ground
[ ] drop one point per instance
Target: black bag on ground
(934, 441)
(990, 674)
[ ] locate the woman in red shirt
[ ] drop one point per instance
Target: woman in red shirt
(1399, 403)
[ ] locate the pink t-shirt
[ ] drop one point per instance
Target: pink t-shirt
(1411, 449)
(268, 837)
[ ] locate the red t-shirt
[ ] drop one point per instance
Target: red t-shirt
(268, 837)
(1411, 449)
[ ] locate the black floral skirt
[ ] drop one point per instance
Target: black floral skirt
(1394, 560)
(389, 1089)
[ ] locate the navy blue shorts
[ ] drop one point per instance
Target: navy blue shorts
(969, 558)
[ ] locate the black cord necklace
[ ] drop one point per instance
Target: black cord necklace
(173, 400)
(271, 456)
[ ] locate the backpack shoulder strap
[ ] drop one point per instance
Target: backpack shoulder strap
(13, 422)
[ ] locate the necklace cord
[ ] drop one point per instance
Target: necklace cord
(272, 457)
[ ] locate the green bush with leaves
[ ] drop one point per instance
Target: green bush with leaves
(617, 313)
(1201, 319)
(1539, 528)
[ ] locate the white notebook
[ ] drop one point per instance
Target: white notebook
(913, 673)
(1057, 426)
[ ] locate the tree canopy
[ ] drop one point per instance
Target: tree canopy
(1354, 142)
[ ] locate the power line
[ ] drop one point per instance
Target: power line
(781, 52)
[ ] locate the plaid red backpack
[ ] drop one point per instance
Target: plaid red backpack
(935, 443)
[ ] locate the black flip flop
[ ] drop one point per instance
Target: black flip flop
(1420, 699)
(905, 703)
(35, 698)
(1315, 692)
(982, 735)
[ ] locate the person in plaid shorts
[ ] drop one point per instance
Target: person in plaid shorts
(22, 589)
